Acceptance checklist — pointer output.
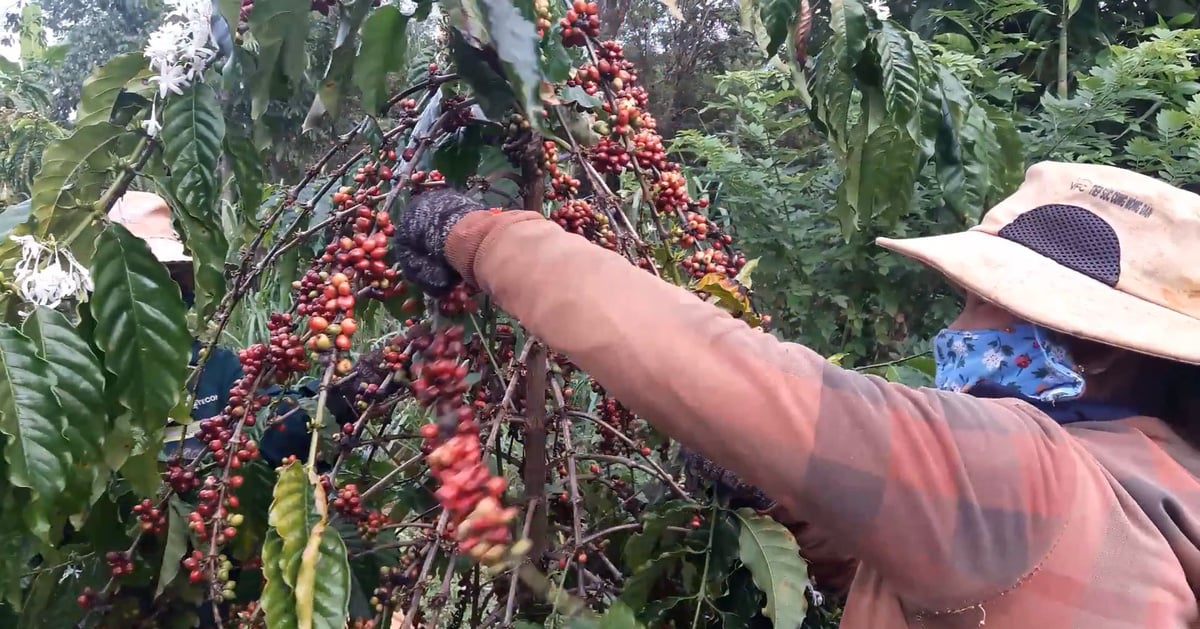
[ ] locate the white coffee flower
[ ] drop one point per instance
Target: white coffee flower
(179, 50)
(172, 79)
(881, 9)
(407, 7)
(47, 273)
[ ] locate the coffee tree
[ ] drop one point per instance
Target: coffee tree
(454, 471)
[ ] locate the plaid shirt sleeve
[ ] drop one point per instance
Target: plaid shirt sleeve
(951, 499)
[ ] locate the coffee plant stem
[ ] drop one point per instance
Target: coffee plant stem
(443, 593)
(892, 363)
(510, 604)
(430, 84)
(388, 546)
(359, 424)
(702, 595)
(573, 485)
(535, 447)
(419, 588)
(141, 155)
(319, 418)
(389, 477)
(407, 525)
(629, 526)
(658, 470)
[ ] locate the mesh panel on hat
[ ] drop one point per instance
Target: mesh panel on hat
(1072, 237)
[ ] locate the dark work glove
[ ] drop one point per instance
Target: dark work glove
(420, 239)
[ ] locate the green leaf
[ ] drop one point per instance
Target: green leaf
(247, 166)
(278, 603)
(176, 545)
(231, 10)
(833, 90)
(639, 587)
(516, 42)
(73, 176)
(193, 131)
(491, 90)
(31, 417)
(281, 29)
(339, 70)
(80, 391)
(457, 157)
(901, 78)
(770, 552)
(293, 513)
(743, 276)
(193, 134)
(383, 51)
(321, 603)
(777, 17)
(140, 327)
(848, 19)
(141, 469)
(619, 617)
(100, 90)
(12, 216)
(640, 547)
(1181, 20)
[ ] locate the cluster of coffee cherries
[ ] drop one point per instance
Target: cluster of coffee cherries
(615, 414)
(562, 185)
(457, 302)
(610, 156)
(210, 507)
(518, 141)
(582, 21)
(706, 261)
(541, 9)
(392, 582)
(151, 519)
(649, 151)
(633, 132)
(243, 401)
(466, 488)
(119, 563)
(422, 180)
(348, 503)
(286, 354)
(332, 324)
(180, 477)
(579, 217)
(671, 193)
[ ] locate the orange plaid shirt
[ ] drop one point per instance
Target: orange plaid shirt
(964, 512)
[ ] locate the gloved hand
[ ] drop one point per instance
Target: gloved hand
(420, 240)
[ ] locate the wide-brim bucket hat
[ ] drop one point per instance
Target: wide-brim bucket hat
(1095, 252)
(148, 217)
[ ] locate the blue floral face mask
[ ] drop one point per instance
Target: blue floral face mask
(1024, 359)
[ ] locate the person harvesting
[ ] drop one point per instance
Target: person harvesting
(1049, 481)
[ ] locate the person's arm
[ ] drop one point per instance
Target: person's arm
(952, 499)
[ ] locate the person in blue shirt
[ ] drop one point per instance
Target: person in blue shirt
(148, 217)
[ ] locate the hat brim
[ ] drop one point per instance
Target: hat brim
(1044, 292)
(168, 251)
